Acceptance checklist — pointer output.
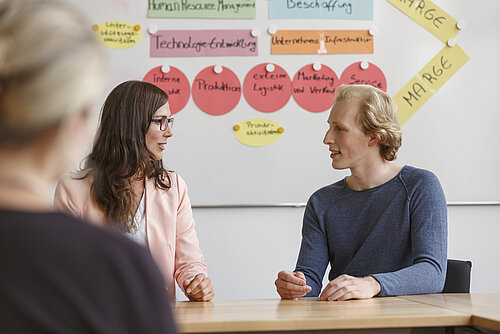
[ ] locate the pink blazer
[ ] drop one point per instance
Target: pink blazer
(170, 229)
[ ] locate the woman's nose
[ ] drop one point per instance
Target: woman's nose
(168, 132)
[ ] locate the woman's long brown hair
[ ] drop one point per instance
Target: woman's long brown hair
(120, 155)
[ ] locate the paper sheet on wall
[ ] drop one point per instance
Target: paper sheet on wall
(203, 43)
(321, 42)
(174, 83)
(202, 9)
(117, 34)
(216, 93)
(314, 90)
(258, 132)
(429, 16)
(321, 9)
(430, 78)
(267, 91)
(355, 75)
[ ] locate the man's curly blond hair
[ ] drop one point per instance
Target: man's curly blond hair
(377, 116)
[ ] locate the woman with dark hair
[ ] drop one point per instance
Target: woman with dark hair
(124, 185)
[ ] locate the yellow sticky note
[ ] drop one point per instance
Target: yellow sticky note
(430, 78)
(429, 16)
(117, 34)
(257, 132)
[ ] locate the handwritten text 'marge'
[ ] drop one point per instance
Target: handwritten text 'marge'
(429, 14)
(418, 90)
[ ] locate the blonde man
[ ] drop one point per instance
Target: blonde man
(383, 228)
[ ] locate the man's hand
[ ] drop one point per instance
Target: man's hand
(199, 289)
(348, 287)
(291, 285)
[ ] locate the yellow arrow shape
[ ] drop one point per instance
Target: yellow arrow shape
(430, 78)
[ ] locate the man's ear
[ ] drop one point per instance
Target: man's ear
(373, 140)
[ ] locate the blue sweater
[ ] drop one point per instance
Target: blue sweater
(396, 232)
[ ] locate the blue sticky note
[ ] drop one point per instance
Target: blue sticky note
(321, 9)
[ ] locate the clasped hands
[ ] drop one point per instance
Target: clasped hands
(292, 285)
(199, 289)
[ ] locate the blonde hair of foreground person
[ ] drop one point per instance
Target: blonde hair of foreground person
(51, 70)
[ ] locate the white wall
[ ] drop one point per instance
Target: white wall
(245, 248)
(455, 134)
(474, 234)
(453, 130)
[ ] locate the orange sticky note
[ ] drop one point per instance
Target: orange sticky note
(321, 42)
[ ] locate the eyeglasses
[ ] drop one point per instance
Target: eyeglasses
(164, 122)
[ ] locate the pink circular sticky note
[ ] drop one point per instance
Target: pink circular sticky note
(174, 83)
(315, 90)
(267, 91)
(355, 75)
(216, 93)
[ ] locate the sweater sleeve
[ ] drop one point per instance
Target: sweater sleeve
(428, 219)
(313, 255)
(189, 259)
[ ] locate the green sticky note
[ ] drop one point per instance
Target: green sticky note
(202, 9)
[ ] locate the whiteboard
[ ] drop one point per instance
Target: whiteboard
(455, 134)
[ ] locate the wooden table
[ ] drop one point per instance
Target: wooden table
(312, 314)
(483, 308)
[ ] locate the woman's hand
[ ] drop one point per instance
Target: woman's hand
(200, 288)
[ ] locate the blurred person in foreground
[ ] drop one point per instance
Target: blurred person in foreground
(59, 274)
